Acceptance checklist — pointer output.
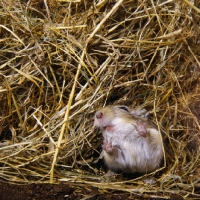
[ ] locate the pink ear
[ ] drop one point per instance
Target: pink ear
(141, 128)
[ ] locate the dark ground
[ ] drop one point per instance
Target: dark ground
(62, 191)
(51, 192)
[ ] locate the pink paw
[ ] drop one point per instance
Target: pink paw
(109, 148)
(141, 127)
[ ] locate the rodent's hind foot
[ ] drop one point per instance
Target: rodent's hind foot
(108, 177)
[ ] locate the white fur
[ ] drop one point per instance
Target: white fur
(135, 153)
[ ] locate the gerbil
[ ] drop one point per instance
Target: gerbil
(131, 143)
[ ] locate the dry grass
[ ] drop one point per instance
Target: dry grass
(62, 60)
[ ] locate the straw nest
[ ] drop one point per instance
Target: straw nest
(62, 60)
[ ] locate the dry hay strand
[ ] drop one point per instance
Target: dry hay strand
(62, 60)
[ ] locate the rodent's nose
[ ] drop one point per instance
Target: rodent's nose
(99, 115)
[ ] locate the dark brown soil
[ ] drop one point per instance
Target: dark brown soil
(51, 192)
(64, 191)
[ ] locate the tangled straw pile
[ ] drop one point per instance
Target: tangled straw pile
(61, 60)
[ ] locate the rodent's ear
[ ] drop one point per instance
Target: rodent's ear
(124, 108)
(140, 112)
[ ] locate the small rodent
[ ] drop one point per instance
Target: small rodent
(130, 142)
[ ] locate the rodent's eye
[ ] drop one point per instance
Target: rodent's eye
(123, 108)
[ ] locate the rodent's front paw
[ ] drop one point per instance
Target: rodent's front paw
(109, 148)
(141, 127)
